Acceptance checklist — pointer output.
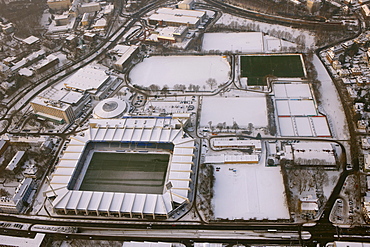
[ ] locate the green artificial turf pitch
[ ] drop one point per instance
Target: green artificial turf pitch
(257, 67)
(126, 172)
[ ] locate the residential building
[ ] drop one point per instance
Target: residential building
(16, 161)
(19, 201)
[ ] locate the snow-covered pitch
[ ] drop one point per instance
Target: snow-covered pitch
(244, 42)
(186, 70)
(251, 109)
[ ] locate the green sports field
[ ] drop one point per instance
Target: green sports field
(255, 68)
(126, 172)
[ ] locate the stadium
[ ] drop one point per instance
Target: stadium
(135, 167)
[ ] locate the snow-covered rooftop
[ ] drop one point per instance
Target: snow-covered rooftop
(87, 78)
(31, 40)
(242, 42)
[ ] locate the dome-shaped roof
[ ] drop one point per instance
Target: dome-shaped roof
(110, 108)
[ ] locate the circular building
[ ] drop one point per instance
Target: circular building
(110, 108)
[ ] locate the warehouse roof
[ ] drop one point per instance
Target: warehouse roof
(87, 78)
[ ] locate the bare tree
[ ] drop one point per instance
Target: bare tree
(154, 87)
(235, 126)
(165, 90)
(211, 82)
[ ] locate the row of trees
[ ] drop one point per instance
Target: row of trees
(211, 82)
(205, 188)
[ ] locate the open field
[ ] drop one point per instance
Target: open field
(257, 67)
(126, 172)
(244, 191)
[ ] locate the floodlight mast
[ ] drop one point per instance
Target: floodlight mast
(51, 187)
(169, 187)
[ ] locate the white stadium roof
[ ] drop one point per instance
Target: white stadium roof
(152, 130)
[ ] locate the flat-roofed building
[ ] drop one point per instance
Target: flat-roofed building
(183, 12)
(88, 79)
(177, 17)
(85, 19)
(365, 11)
(88, 7)
(52, 110)
(186, 4)
(62, 20)
(37, 241)
(15, 162)
(172, 34)
(59, 4)
(126, 54)
(59, 105)
(47, 63)
(4, 144)
(100, 24)
(31, 40)
(17, 203)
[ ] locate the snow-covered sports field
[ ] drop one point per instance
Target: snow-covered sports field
(245, 191)
(245, 110)
(186, 70)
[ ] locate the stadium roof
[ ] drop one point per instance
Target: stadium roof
(151, 130)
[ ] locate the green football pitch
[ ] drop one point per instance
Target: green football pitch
(255, 67)
(126, 172)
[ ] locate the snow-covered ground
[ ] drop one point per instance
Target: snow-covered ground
(245, 191)
(274, 30)
(245, 110)
(186, 70)
(330, 103)
(247, 42)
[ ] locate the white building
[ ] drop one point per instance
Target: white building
(110, 108)
(19, 199)
(177, 17)
(125, 53)
(59, 4)
(59, 105)
(186, 4)
(90, 80)
(88, 7)
(15, 161)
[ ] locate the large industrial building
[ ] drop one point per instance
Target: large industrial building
(128, 136)
(177, 17)
(91, 80)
